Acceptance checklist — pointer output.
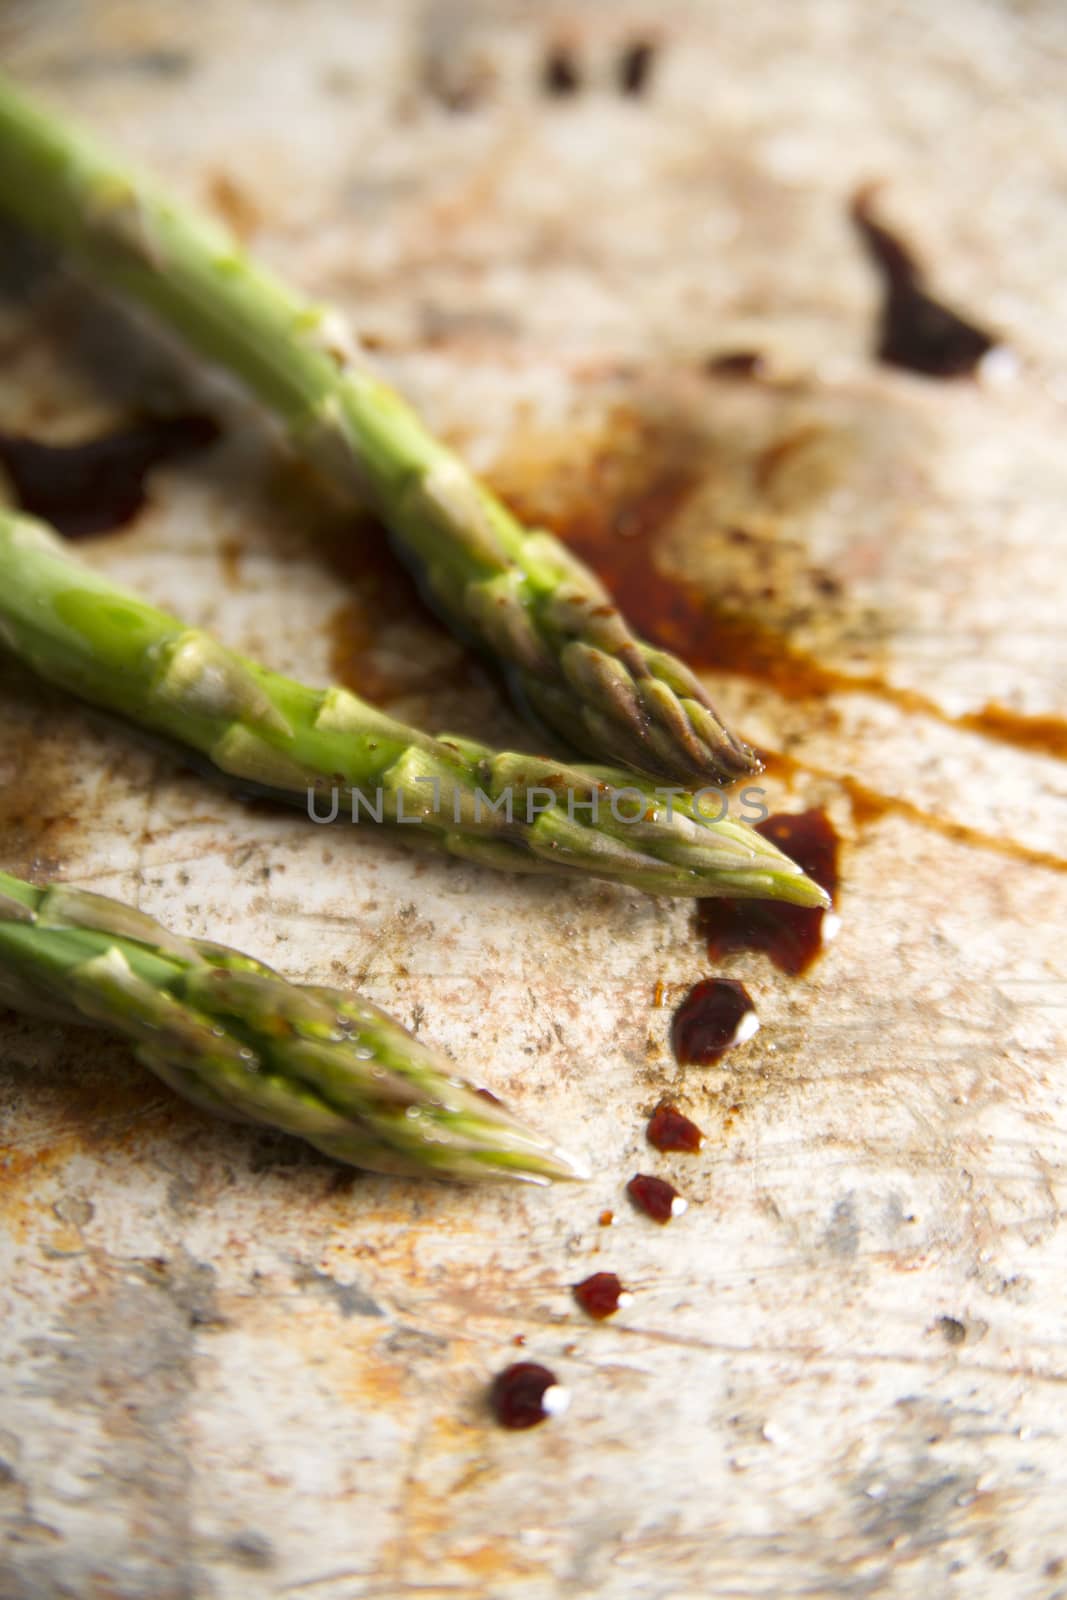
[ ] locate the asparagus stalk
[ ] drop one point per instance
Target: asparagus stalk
(232, 1035)
(518, 593)
(315, 747)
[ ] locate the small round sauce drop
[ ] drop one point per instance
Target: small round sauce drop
(606, 1218)
(670, 1129)
(525, 1394)
(601, 1295)
(656, 1198)
(714, 1016)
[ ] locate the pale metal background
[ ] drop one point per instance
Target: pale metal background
(232, 1371)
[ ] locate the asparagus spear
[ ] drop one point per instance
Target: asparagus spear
(518, 593)
(232, 1035)
(313, 746)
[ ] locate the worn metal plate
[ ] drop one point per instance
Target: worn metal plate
(232, 1370)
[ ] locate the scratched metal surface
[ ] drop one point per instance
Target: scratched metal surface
(229, 1369)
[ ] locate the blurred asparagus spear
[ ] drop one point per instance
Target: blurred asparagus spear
(228, 1033)
(518, 593)
(310, 746)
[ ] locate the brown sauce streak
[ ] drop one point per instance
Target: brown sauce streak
(98, 485)
(615, 534)
(870, 805)
(382, 595)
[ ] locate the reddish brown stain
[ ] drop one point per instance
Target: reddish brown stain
(231, 558)
(1044, 735)
(517, 1395)
(791, 935)
(632, 488)
(670, 1129)
(655, 1197)
(232, 202)
(382, 595)
(600, 1295)
(736, 364)
(870, 805)
(711, 1020)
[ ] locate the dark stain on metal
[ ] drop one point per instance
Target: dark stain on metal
(656, 1197)
(670, 1129)
(600, 1295)
(793, 936)
(99, 485)
(915, 331)
(635, 67)
(715, 1015)
(520, 1396)
(561, 75)
(736, 364)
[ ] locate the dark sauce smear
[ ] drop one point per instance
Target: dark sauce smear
(518, 1395)
(916, 331)
(714, 1016)
(98, 485)
(670, 1129)
(655, 1197)
(560, 75)
(736, 364)
(601, 1295)
(791, 935)
(613, 520)
(635, 67)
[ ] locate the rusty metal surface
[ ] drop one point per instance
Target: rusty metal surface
(231, 1370)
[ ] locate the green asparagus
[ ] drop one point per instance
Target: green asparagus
(518, 593)
(233, 1036)
(324, 748)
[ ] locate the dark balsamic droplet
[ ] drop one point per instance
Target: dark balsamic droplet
(601, 1295)
(98, 485)
(791, 935)
(714, 1016)
(737, 364)
(560, 75)
(525, 1394)
(655, 1197)
(635, 67)
(670, 1129)
(916, 330)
